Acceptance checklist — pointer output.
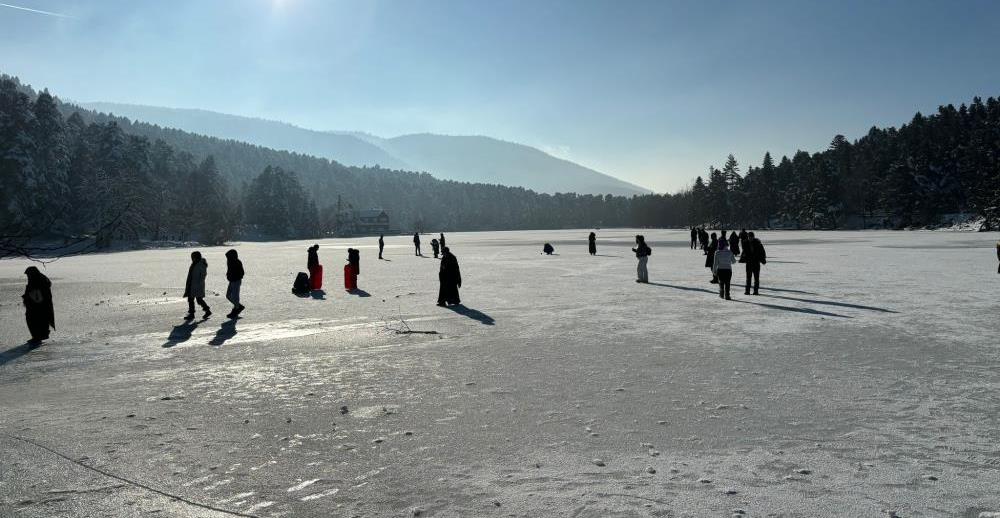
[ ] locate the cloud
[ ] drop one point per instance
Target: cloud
(38, 11)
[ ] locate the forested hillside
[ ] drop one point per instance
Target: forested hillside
(948, 162)
(67, 172)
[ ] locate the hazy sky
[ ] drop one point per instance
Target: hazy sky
(652, 92)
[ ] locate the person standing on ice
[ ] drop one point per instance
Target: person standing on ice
(38, 312)
(194, 287)
(722, 267)
(416, 243)
(642, 253)
(754, 255)
(435, 247)
(450, 278)
(381, 245)
(441, 241)
(592, 243)
(703, 239)
(312, 260)
(744, 238)
(713, 246)
(234, 274)
(694, 238)
(734, 243)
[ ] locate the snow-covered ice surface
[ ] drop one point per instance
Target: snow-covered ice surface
(862, 382)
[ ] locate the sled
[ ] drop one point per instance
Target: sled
(316, 277)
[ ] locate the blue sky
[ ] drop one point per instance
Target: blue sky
(652, 92)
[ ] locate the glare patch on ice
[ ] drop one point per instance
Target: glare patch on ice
(321, 494)
(303, 485)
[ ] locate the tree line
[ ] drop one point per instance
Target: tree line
(72, 174)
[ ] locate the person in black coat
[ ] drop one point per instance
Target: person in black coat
(713, 246)
(592, 243)
(435, 247)
(744, 238)
(234, 274)
(416, 243)
(754, 255)
(703, 238)
(441, 241)
(734, 244)
(694, 238)
(547, 249)
(38, 312)
(312, 261)
(451, 279)
(194, 285)
(381, 245)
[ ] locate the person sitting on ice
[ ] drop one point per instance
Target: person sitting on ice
(548, 249)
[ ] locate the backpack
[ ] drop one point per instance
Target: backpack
(649, 251)
(301, 285)
(762, 254)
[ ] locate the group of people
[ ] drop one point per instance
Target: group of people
(721, 253)
(437, 245)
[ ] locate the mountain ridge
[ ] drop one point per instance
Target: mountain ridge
(469, 158)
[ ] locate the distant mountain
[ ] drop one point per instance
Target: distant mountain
(462, 158)
(342, 147)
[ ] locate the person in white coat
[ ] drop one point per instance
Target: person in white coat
(194, 287)
(722, 268)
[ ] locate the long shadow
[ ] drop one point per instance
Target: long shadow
(606, 255)
(227, 331)
(181, 333)
(784, 262)
(785, 290)
(832, 303)
(384, 259)
(685, 288)
(360, 292)
(474, 314)
(318, 294)
(16, 352)
(793, 309)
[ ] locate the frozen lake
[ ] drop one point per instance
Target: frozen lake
(862, 381)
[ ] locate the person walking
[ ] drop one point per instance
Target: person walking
(234, 274)
(703, 239)
(435, 247)
(592, 243)
(441, 241)
(38, 312)
(744, 238)
(713, 246)
(722, 267)
(642, 253)
(694, 238)
(194, 287)
(755, 256)
(450, 278)
(381, 245)
(734, 243)
(416, 243)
